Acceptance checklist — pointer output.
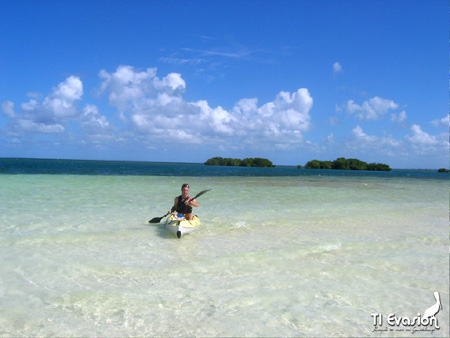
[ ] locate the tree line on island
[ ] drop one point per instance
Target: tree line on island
(235, 162)
(340, 163)
(343, 163)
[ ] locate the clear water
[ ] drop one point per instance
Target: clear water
(275, 256)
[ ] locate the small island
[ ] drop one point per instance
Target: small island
(443, 170)
(235, 162)
(347, 164)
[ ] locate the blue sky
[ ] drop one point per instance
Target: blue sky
(184, 81)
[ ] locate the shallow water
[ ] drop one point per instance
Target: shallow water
(275, 256)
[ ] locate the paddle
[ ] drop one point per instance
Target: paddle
(158, 219)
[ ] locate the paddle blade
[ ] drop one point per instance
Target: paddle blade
(201, 193)
(157, 219)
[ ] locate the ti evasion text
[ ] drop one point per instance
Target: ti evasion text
(425, 322)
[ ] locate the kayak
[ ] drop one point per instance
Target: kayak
(180, 225)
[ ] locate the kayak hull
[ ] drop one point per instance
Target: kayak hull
(180, 227)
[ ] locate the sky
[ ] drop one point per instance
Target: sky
(184, 81)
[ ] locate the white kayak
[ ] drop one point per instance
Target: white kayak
(180, 225)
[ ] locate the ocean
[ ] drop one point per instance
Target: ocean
(281, 252)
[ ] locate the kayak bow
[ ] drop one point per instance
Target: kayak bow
(180, 225)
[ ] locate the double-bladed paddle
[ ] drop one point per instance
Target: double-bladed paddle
(158, 219)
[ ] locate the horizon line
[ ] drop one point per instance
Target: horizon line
(203, 163)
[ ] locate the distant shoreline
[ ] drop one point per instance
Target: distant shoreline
(287, 166)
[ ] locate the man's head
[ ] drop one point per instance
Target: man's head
(185, 188)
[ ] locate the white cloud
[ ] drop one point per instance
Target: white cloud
(360, 135)
(49, 116)
(292, 111)
(125, 86)
(371, 109)
(363, 142)
(142, 93)
(181, 61)
(337, 68)
(8, 109)
(246, 106)
(92, 119)
(155, 109)
(400, 117)
(417, 143)
(233, 54)
(444, 122)
(56, 110)
(420, 137)
(29, 126)
(97, 130)
(425, 144)
(171, 84)
(58, 105)
(329, 138)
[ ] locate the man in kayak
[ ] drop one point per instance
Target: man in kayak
(183, 204)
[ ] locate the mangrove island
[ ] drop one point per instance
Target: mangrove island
(347, 164)
(235, 162)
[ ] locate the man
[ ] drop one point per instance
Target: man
(183, 204)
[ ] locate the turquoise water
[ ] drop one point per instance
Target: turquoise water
(287, 255)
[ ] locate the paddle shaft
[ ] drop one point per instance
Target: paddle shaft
(198, 195)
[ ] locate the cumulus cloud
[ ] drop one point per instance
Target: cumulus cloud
(96, 127)
(371, 109)
(418, 142)
(92, 119)
(420, 137)
(363, 142)
(154, 108)
(50, 115)
(125, 86)
(426, 144)
(444, 122)
(59, 104)
(360, 135)
(55, 111)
